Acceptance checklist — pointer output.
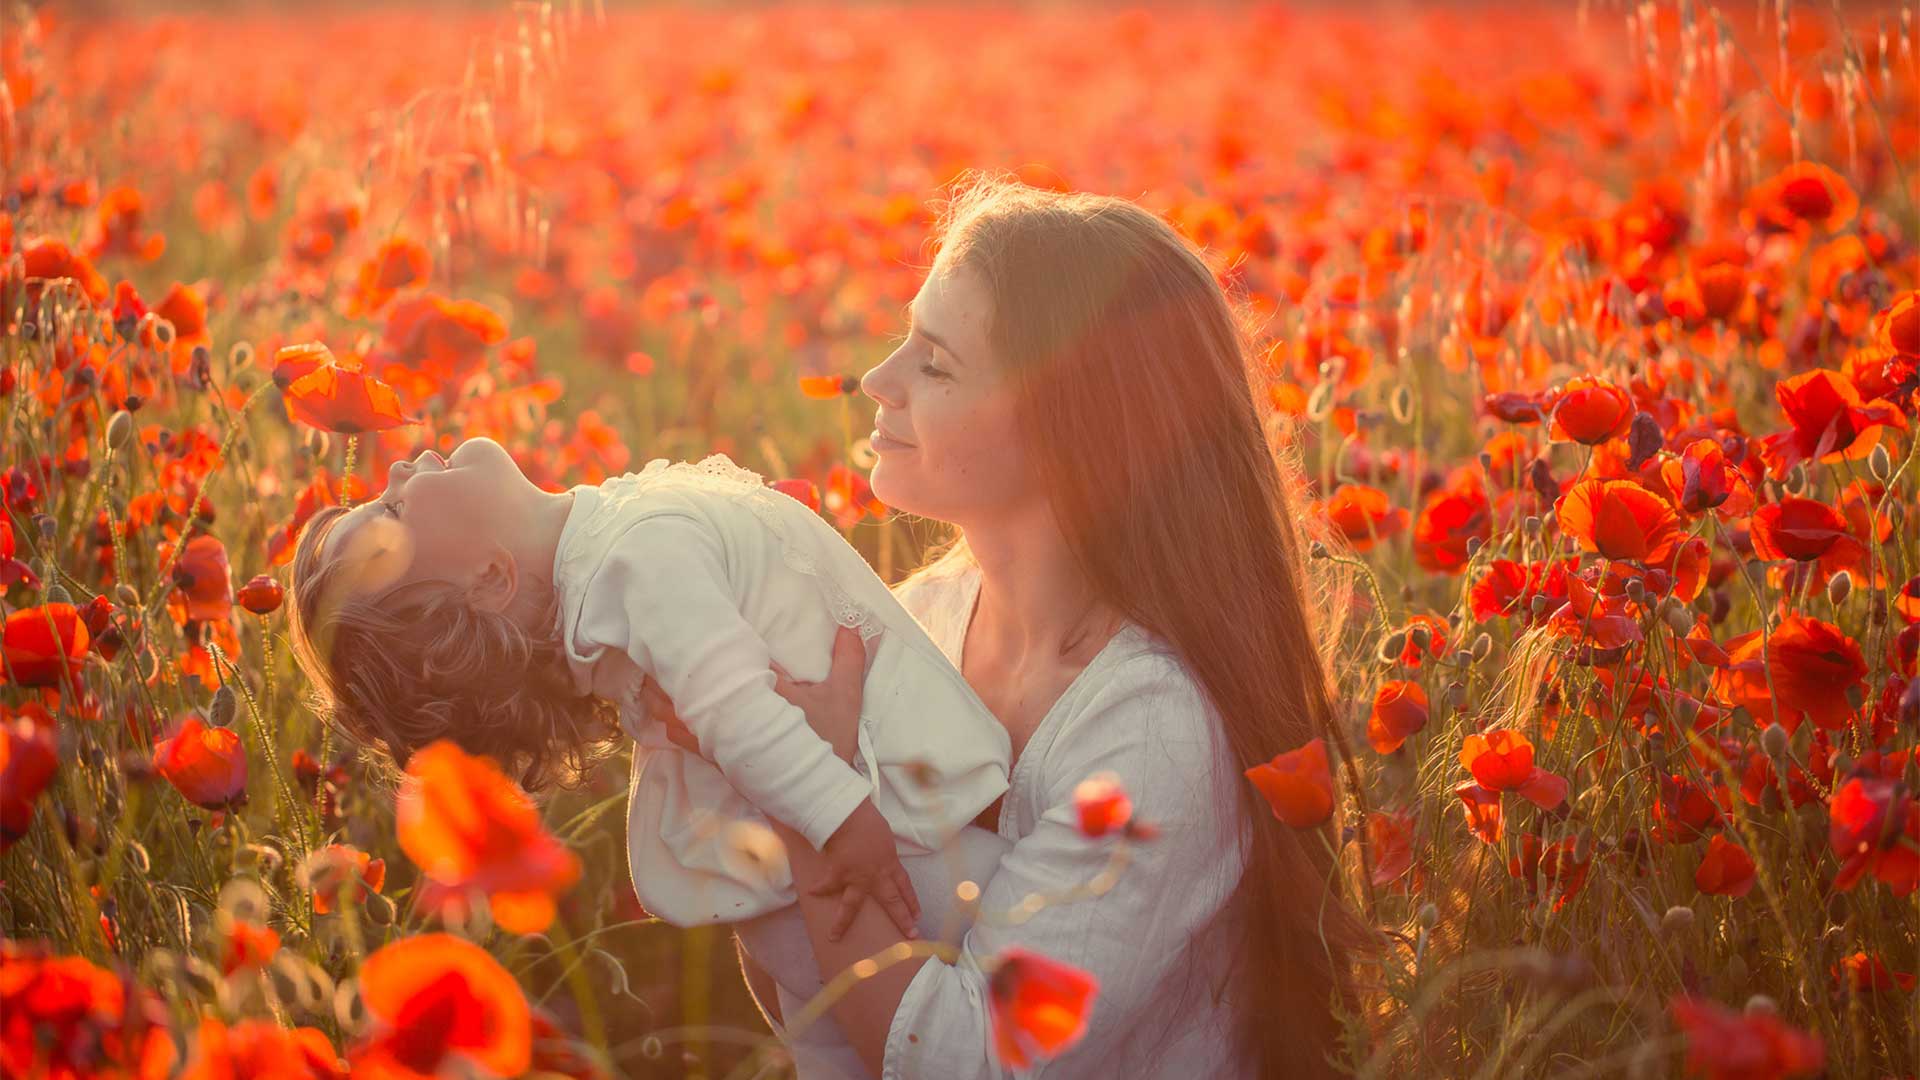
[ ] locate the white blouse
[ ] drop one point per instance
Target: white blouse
(702, 576)
(1153, 941)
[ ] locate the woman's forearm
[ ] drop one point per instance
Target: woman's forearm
(865, 1011)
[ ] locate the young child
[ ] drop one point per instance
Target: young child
(468, 603)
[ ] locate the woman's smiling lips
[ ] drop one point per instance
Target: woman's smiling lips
(882, 443)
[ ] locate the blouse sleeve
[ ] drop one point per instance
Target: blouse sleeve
(1149, 724)
(661, 595)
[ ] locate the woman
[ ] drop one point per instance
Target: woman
(1127, 592)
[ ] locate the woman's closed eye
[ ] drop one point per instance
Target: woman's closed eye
(933, 372)
(390, 507)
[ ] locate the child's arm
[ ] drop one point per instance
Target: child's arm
(661, 595)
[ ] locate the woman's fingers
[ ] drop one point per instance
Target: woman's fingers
(894, 903)
(906, 890)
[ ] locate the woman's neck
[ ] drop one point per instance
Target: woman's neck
(1034, 600)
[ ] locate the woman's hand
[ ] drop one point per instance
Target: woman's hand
(660, 707)
(833, 704)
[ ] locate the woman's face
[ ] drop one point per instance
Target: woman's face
(945, 436)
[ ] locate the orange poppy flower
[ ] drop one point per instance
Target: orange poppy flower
(261, 1048)
(1897, 329)
(850, 499)
(28, 758)
(468, 827)
(1038, 1007)
(51, 260)
(1390, 838)
(1868, 973)
(1399, 710)
(43, 646)
(1797, 528)
(66, 1017)
(186, 309)
(247, 945)
(206, 764)
(262, 595)
(1363, 515)
(1502, 760)
(1725, 870)
(1701, 478)
(803, 490)
(828, 387)
(1297, 785)
(1808, 667)
(120, 227)
(399, 263)
(335, 395)
(1449, 518)
(1873, 826)
(437, 997)
(1554, 867)
(1619, 519)
(445, 340)
(1590, 410)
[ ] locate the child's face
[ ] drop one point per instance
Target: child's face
(439, 518)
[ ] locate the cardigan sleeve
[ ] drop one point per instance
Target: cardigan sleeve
(661, 595)
(1150, 724)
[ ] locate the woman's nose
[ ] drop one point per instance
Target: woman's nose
(877, 384)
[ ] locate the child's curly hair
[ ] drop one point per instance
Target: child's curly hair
(399, 669)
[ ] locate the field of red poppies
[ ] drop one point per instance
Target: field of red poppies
(1595, 323)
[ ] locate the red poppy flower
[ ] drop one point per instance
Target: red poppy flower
(261, 1048)
(65, 1017)
(1590, 410)
(51, 260)
(1297, 785)
(1868, 973)
(1449, 518)
(1873, 826)
(1726, 1045)
(1797, 528)
(13, 571)
(444, 340)
(206, 764)
(1483, 810)
(828, 387)
(203, 581)
(120, 229)
(1362, 514)
(437, 1000)
(1807, 668)
(1502, 760)
(1619, 519)
(1038, 1007)
(1725, 870)
(1809, 192)
(1555, 867)
(1683, 812)
(1515, 408)
(850, 499)
(468, 827)
(28, 757)
(43, 646)
(262, 595)
(1701, 478)
(186, 309)
(1897, 329)
(1390, 841)
(803, 490)
(335, 395)
(247, 945)
(1101, 805)
(1827, 421)
(337, 866)
(399, 263)
(1399, 710)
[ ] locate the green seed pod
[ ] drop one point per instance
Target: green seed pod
(119, 429)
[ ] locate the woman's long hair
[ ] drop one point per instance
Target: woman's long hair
(1149, 428)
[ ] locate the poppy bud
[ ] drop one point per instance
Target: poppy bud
(1637, 590)
(137, 855)
(1737, 970)
(119, 429)
(241, 355)
(134, 401)
(1428, 916)
(1317, 551)
(1760, 1004)
(1839, 588)
(222, 710)
(126, 595)
(45, 525)
(1473, 546)
(1483, 646)
(379, 909)
(58, 594)
(1392, 645)
(1533, 525)
(1540, 604)
(1774, 740)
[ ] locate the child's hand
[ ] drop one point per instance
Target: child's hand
(862, 862)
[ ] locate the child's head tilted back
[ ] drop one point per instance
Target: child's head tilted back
(430, 613)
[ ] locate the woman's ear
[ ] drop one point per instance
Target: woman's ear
(496, 582)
